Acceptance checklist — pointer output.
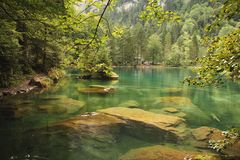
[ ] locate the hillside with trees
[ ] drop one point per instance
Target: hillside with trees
(175, 42)
(37, 37)
(119, 79)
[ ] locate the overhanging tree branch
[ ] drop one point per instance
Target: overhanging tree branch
(98, 24)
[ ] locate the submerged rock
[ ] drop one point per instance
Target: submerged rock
(97, 90)
(98, 86)
(204, 134)
(181, 114)
(93, 133)
(63, 105)
(53, 97)
(92, 122)
(170, 110)
(159, 126)
(185, 105)
(173, 101)
(52, 109)
(14, 110)
(130, 104)
(166, 153)
(173, 90)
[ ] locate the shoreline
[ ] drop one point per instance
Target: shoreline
(26, 86)
(153, 66)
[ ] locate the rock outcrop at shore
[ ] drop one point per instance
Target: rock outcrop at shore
(39, 81)
(101, 76)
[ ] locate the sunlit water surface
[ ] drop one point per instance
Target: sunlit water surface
(21, 138)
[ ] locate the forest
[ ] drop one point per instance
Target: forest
(120, 79)
(38, 37)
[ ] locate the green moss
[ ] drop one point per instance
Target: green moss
(55, 74)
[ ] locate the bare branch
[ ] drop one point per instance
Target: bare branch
(98, 24)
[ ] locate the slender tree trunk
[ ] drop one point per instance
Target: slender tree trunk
(24, 41)
(44, 46)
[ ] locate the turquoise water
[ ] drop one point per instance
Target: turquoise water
(25, 134)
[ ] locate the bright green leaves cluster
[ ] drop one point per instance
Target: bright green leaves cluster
(118, 31)
(229, 9)
(155, 13)
(223, 58)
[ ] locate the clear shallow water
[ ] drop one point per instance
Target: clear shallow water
(21, 139)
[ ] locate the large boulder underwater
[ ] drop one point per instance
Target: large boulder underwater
(159, 152)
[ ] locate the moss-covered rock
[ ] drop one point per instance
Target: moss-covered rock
(55, 74)
(183, 104)
(97, 90)
(173, 112)
(166, 153)
(204, 134)
(62, 105)
(41, 81)
(173, 90)
(105, 76)
(173, 101)
(98, 86)
(100, 75)
(130, 104)
(93, 133)
(112, 76)
(159, 126)
(10, 109)
(52, 109)
(170, 110)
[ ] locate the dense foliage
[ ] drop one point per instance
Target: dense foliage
(28, 38)
(176, 26)
(180, 26)
(37, 36)
(223, 58)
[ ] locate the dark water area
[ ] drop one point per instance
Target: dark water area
(21, 136)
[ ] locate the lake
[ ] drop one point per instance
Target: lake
(26, 121)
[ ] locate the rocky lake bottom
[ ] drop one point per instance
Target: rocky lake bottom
(145, 115)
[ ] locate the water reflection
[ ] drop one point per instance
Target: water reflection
(141, 88)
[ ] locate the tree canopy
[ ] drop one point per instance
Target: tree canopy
(37, 36)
